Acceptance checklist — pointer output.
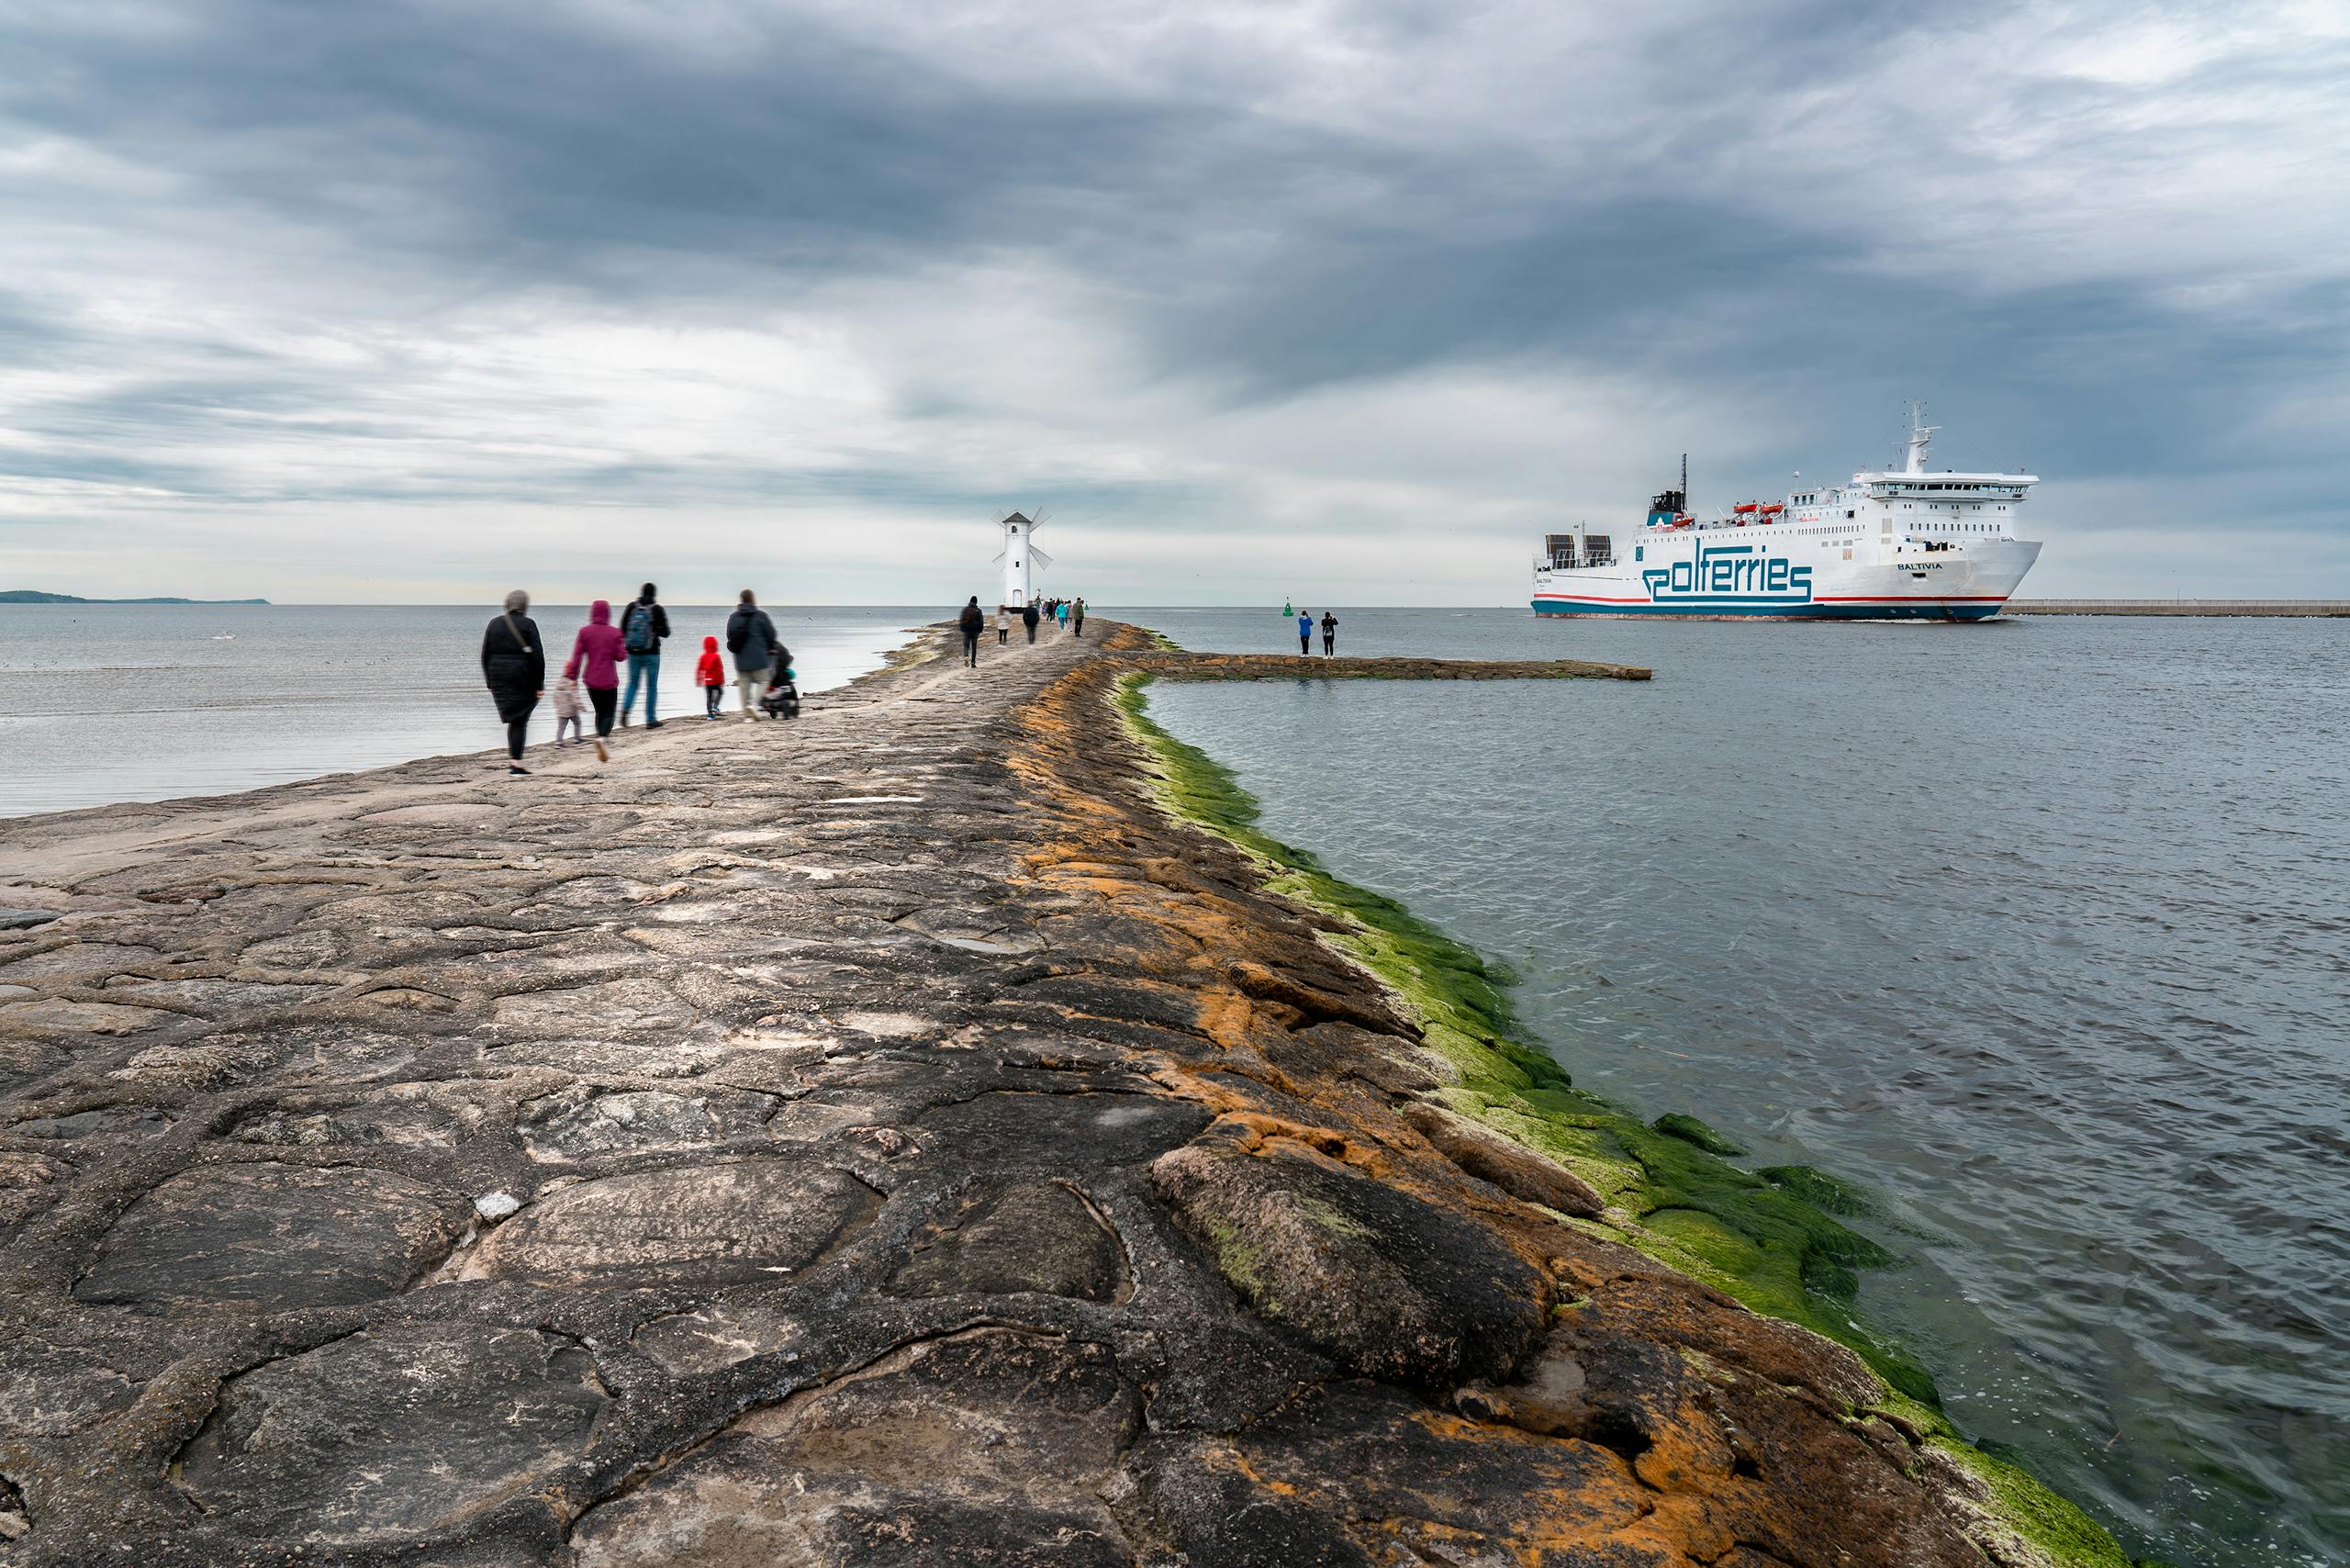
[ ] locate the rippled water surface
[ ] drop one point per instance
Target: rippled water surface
(2038, 928)
(149, 702)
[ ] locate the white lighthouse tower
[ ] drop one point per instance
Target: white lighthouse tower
(1020, 557)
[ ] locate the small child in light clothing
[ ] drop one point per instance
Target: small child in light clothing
(566, 709)
(711, 675)
(1002, 624)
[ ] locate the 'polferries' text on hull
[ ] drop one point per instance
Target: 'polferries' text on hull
(1889, 546)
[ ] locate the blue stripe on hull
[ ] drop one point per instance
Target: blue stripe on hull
(1734, 609)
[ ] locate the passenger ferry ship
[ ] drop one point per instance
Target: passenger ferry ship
(1906, 544)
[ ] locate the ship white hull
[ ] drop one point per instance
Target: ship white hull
(1750, 576)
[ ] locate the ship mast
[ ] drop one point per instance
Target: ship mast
(1922, 434)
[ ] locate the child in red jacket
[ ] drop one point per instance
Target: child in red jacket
(711, 675)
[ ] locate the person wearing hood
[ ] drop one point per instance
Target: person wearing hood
(711, 675)
(595, 662)
(750, 637)
(514, 664)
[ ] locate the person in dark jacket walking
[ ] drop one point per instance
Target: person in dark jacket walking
(1028, 618)
(514, 662)
(643, 626)
(1329, 632)
(1077, 616)
(750, 637)
(973, 622)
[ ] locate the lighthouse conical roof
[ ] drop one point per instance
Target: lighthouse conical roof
(1017, 517)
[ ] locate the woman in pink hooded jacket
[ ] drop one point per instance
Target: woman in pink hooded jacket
(596, 655)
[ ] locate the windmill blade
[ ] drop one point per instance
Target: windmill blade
(999, 559)
(1039, 557)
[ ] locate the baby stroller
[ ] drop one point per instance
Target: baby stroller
(782, 698)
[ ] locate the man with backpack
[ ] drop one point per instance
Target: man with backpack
(643, 626)
(1029, 616)
(973, 622)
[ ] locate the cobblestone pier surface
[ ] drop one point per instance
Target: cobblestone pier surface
(883, 1138)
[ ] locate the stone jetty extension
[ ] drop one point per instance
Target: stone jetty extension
(882, 1138)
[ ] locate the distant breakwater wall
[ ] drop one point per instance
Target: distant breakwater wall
(2275, 609)
(905, 1135)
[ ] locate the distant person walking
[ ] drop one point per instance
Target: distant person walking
(1329, 632)
(643, 626)
(711, 675)
(1306, 632)
(1061, 610)
(1077, 616)
(1002, 624)
(1028, 618)
(973, 622)
(750, 637)
(595, 662)
(514, 664)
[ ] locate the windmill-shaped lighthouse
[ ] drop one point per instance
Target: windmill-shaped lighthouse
(1020, 558)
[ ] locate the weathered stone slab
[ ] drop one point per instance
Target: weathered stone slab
(273, 1236)
(984, 1448)
(579, 1122)
(1038, 1235)
(703, 1224)
(1394, 1286)
(392, 1433)
(1117, 1129)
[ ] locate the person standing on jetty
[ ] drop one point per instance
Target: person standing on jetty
(1003, 625)
(595, 662)
(1329, 632)
(750, 637)
(1028, 618)
(1077, 616)
(710, 674)
(514, 664)
(643, 626)
(1305, 632)
(1061, 610)
(973, 620)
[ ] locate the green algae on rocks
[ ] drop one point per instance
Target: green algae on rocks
(1771, 1238)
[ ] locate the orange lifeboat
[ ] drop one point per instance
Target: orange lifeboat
(1744, 507)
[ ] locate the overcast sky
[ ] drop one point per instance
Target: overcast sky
(408, 302)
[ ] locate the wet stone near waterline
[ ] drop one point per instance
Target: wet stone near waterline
(451, 1419)
(273, 1236)
(1040, 1237)
(1394, 1286)
(696, 1225)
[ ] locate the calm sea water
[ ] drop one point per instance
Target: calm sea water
(149, 702)
(2038, 928)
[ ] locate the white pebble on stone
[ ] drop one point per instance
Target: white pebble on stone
(496, 1205)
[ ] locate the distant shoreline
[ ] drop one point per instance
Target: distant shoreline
(35, 596)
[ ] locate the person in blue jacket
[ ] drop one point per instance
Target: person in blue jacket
(1305, 631)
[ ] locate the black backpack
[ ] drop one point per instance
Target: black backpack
(636, 628)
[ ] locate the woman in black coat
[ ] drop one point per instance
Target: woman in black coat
(514, 662)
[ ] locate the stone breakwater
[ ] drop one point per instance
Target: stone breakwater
(890, 1138)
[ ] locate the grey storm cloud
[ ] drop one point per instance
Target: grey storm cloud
(1288, 270)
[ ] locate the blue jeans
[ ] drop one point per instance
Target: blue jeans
(645, 667)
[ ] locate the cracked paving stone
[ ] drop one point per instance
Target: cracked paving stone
(985, 1447)
(696, 1225)
(1038, 1237)
(451, 1422)
(273, 1236)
